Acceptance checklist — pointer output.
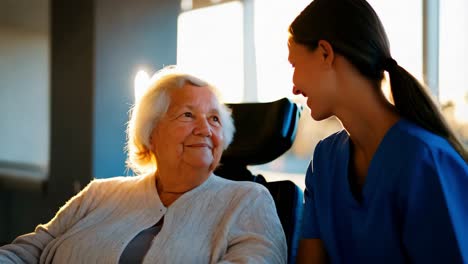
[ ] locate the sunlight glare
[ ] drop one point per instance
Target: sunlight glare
(274, 73)
(210, 45)
(186, 4)
(461, 111)
(453, 73)
(140, 83)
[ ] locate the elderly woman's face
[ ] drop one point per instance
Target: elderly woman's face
(191, 131)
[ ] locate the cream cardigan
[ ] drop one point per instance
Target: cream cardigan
(220, 221)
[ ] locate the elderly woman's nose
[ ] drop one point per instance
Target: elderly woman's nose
(202, 127)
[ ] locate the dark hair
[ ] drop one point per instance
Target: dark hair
(355, 31)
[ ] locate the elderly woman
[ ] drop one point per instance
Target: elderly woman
(176, 210)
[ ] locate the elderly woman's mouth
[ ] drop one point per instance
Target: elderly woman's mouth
(199, 145)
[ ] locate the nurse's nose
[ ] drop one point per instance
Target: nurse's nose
(296, 91)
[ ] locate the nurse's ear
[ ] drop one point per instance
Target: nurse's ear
(326, 51)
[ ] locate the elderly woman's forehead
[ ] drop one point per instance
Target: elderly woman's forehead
(193, 96)
(194, 91)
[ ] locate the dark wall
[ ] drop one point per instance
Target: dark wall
(129, 35)
(96, 49)
(71, 89)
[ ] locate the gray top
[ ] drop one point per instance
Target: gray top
(137, 248)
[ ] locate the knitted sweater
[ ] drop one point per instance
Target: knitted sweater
(220, 221)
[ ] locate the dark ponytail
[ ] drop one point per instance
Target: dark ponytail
(415, 104)
(355, 31)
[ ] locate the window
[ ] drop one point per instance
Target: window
(24, 91)
(453, 72)
(210, 44)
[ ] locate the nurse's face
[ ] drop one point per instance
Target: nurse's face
(312, 78)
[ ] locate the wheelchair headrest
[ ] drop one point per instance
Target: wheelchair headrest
(264, 131)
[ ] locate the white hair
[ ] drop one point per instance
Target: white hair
(153, 105)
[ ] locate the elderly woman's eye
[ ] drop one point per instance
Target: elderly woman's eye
(186, 117)
(216, 119)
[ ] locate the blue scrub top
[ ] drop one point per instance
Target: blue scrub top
(414, 205)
